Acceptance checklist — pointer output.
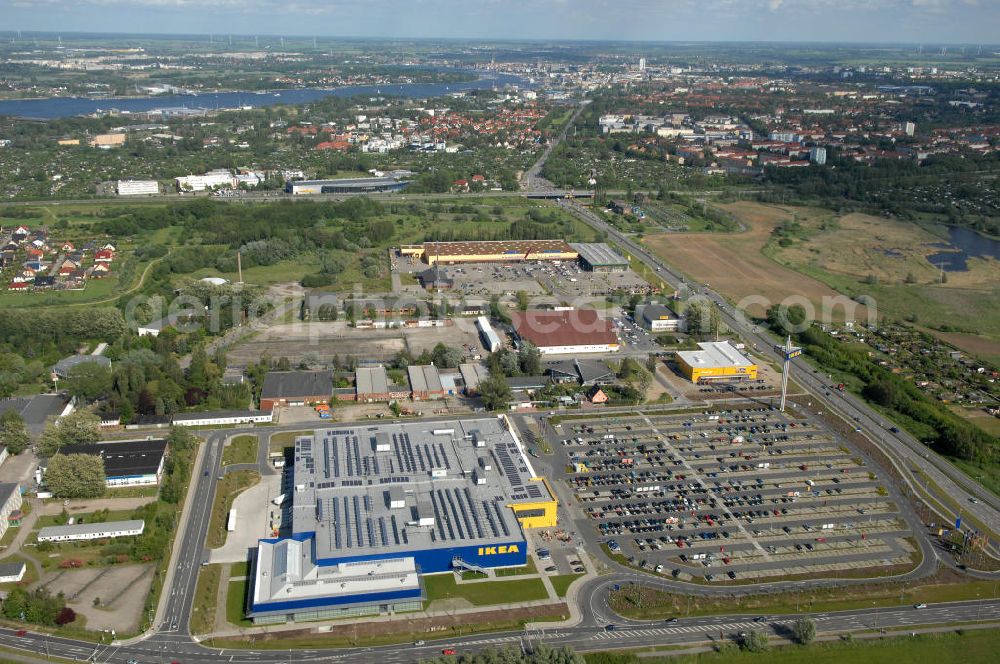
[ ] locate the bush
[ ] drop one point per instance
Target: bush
(65, 616)
(804, 631)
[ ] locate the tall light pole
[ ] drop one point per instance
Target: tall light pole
(790, 353)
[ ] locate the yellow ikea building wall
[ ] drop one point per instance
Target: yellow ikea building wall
(697, 374)
(543, 513)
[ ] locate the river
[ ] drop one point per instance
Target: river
(961, 245)
(65, 107)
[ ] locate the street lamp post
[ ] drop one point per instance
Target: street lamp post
(875, 606)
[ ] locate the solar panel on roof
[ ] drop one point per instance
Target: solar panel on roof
(534, 491)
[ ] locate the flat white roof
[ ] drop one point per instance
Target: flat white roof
(286, 572)
(714, 354)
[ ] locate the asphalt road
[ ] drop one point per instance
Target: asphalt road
(594, 635)
(170, 641)
(951, 483)
(532, 180)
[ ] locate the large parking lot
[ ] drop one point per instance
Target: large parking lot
(736, 495)
(563, 278)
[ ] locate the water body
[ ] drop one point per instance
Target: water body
(65, 107)
(963, 244)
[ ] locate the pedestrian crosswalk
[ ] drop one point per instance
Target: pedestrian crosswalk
(632, 632)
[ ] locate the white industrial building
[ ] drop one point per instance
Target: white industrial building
(90, 531)
(220, 177)
(657, 318)
(489, 337)
(222, 418)
(138, 187)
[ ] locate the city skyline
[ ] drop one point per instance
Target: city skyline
(802, 21)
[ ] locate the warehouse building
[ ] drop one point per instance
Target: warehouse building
(219, 178)
(346, 186)
(599, 257)
(137, 187)
(425, 382)
(487, 335)
(567, 332)
(376, 507)
(491, 251)
(472, 374)
(80, 532)
(717, 360)
(128, 462)
(372, 384)
(295, 388)
(657, 318)
(222, 418)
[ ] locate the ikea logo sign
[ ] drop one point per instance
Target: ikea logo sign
(494, 550)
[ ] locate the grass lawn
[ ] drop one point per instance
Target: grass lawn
(12, 531)
(230, 486)
(87, 517)
(206, 593)
(968, 647)
(30, 575)
(285, 439)
(443, 586)
(242, 449)
(286, 642)
(239, 569)
(657, 605)
(562, 582)
(236, 597)
(132, 491)
(517, 571)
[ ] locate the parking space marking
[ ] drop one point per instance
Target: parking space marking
(701, 482)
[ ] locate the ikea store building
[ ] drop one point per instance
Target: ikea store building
(374, 508)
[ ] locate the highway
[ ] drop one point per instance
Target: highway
(532, 180)
(170, 641)
(951, 483)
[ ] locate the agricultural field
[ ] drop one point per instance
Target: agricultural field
(815, 253)
(887, 259)
(735, 265)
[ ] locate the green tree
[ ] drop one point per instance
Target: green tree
(199, 371)
(529, 358)
(495, 392)
(13, 432)
(498, 311)
(446, 357)
(804, 630)
(77, 428)
(88, 381)
(522, 300)
(75, 476)
(754, 641)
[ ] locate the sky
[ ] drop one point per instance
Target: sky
(892, 21)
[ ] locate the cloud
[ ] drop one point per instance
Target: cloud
(661, 20)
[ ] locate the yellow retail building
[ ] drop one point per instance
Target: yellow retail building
(717, 360)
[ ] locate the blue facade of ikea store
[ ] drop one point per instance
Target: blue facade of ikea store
(331, 602)
(430, 561)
